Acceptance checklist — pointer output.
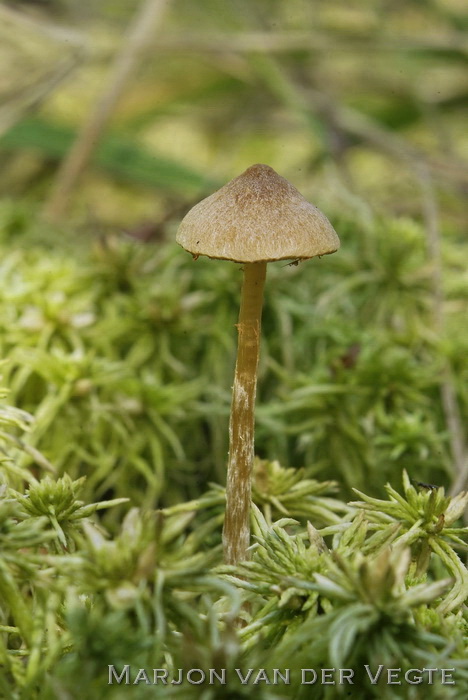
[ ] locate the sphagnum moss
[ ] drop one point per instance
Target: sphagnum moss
(70, 624)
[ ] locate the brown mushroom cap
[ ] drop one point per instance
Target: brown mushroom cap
(258, 216)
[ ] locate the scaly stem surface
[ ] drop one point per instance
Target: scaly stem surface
(236, 533)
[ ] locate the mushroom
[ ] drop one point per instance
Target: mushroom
(258, 217)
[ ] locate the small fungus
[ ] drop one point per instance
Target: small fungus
(258, 217)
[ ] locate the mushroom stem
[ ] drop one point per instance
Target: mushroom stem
(236, 533)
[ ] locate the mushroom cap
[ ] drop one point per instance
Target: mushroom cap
(258, 216)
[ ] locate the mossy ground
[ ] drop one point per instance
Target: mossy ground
(117, 361)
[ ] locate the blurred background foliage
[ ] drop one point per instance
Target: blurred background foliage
(123, 348)
(334, 96)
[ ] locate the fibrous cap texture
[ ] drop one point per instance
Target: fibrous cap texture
(258, 216)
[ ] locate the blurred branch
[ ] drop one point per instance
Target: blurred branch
(448, 394)
(126, 63)
(33, 95)
(310, 102)
(35, 57)
(276, 42)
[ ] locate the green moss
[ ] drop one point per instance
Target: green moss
(117, 360)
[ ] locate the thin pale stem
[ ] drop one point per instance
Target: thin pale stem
(236, 533)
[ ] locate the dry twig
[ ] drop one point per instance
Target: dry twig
(126, 63)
